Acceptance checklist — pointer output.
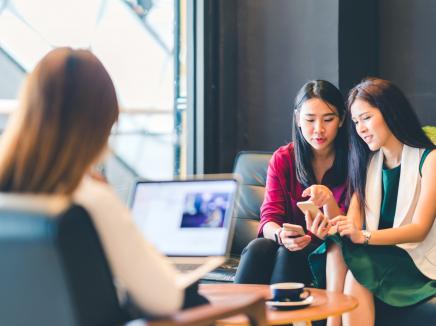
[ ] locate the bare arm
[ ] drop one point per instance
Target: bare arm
(331, 208)
(416, 231)
(423, 216)
(354, 212)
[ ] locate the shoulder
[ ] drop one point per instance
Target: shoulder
(284, 154)
(110, 215)
(282, 160)
(89, 186)
(96, 196)
(428, 163)
(282, 163)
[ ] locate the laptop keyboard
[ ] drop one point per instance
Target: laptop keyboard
(231, 263)
(225, 273)
(186, 268)
(220, 275)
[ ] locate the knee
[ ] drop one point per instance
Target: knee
(334, 254)
(260, 246)
(350, 283)
(283, 251)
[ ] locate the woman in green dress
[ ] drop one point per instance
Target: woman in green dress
(386, 244)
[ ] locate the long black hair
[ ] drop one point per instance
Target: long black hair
(328, 93)
(399, 117)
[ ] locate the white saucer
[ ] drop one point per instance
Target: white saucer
(292, 304)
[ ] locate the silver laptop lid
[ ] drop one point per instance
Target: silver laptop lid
(188, 218)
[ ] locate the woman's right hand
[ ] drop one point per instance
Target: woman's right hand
(347, 227)
(292, 241)
(320, 195)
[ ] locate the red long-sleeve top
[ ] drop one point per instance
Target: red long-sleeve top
(283, 190)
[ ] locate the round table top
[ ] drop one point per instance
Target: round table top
(325, 303)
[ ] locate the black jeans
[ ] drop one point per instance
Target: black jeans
(265, 262)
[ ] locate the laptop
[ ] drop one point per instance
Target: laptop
(190, 221)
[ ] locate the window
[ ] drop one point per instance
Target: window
(143, 46)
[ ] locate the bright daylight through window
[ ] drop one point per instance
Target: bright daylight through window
(142, 45)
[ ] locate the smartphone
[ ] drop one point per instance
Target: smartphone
(293, 227)
(309, 206)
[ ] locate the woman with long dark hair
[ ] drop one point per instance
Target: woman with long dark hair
(386, 244)
(313, 167)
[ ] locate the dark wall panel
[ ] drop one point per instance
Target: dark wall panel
(407, 51)
(282, 44)
(358, 41)
(264, 50)
(221, 89)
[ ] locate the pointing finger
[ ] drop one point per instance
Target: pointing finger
(306, 192)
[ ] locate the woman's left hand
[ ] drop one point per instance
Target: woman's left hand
(319, 226)
(347, 227)
(319, 194)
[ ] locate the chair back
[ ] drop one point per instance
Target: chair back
(54, 271)
(251, 167)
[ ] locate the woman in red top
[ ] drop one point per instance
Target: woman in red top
(313, 167)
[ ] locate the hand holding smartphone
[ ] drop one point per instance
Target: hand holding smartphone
(294, 227)
(308, 206)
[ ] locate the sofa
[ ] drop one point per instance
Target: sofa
(252, 167)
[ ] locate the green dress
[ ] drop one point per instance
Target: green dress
(387, 271)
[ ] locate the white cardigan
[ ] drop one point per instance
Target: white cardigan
(136, 266)
(423, 253)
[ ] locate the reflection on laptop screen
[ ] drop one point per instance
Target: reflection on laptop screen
(185, 218)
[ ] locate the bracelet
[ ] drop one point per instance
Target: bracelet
(277, 236)
(367, 237)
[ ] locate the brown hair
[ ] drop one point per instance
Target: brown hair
(67, 110)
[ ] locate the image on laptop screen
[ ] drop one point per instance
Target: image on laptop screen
(185, 218)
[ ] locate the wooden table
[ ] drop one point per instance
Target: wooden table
(325, 304)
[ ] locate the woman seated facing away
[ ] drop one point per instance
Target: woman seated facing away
(61, 129)
(386, 244)
(313, 167)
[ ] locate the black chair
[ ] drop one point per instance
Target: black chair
(252, 168)
(54, 272)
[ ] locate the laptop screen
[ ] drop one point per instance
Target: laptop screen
(186, 218)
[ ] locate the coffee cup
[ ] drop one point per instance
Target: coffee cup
(289, 292)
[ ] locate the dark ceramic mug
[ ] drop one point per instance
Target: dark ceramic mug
(289, 292)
